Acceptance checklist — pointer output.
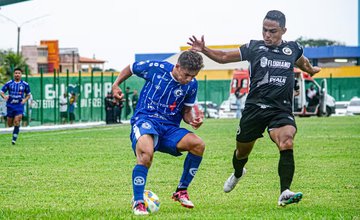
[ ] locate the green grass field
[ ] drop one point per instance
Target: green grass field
(86, 174)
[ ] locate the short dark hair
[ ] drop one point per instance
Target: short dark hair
(278, 16)
(191, 60)
(18, 69)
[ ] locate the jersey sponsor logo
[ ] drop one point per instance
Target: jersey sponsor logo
(161, 77)
(277, 80)
(264, 48)
(193, 171)
(172, 106)
(263, 62)
(263, 106)
(287, 51)
(146, 125)
(178, 93)
(139, 181)
(279, 64)
(157, 116)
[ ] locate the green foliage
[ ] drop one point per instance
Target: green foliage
(318, 42)
(86, 174)
(8, 61)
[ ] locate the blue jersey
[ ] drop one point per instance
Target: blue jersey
(16, 91)
(162, 97)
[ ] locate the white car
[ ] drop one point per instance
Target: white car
(211, 109)
(340, 108)
(354, 107)
(226, 111)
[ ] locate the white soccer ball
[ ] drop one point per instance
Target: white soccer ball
(152, 202)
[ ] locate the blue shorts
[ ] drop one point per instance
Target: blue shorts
(15, 110)
(166, 137)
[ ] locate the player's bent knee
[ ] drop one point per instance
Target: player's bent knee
(198, 147)
(287, 143)
(145, 159)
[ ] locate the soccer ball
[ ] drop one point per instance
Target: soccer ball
(152, 202)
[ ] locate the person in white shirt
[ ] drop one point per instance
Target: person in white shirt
(63, 108)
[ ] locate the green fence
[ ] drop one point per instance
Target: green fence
(342, 89)
(92, 88)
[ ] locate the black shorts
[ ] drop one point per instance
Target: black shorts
(63, 114)
(255, 119)
(72, 116)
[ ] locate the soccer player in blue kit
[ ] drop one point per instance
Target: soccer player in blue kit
(18, 94)
(165, 100)
(269, 102)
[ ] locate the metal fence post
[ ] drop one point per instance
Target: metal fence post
(41, 96)
(54, 83)
(27, 105)
(102, 96)
(67, 96)
(92, 95)
(79, 99)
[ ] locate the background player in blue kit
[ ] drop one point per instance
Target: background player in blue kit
(269, 102)
(18, 94)
(166, 98)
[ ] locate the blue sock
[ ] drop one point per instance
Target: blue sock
(139, 180)
(15, 133)
(191, 165)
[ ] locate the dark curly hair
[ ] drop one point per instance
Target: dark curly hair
(278, 16)
(191, 60)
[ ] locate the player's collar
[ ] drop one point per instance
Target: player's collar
(172, 76)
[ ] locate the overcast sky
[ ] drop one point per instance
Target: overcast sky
(115, 30)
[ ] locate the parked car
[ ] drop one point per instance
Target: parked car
(354, 107)
(340, 108)
(211, 109)
(227, 110)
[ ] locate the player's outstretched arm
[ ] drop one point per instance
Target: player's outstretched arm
(216, 55)
(123, 75)
(191, 119)
(304, 64)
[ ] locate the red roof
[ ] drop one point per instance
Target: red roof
(89, 60)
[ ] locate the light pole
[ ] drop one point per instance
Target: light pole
(19, 28)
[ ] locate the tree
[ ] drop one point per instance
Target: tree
(318, 42)
(8, 61)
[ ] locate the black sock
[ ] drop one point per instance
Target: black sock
(286, 169)
(180, 189)
(238, 165)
